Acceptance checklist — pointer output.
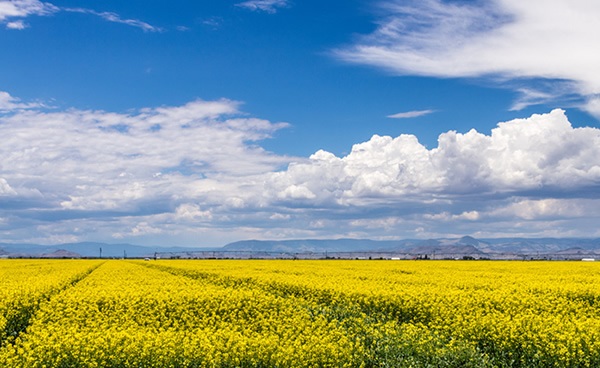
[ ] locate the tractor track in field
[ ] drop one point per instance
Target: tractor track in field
(332, 304)
(19, 316)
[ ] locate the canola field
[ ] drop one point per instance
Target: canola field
(264, 313)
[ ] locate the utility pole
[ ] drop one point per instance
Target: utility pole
(100, 252)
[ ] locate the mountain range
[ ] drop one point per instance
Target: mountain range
(464, 247)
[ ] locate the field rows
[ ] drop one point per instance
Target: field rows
(300, 314)
(24, 285)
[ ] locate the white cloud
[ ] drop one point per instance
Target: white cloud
(116, 18)
(18, 9)
(530, 97)
(410, 114)
(140, 229)
(18, 24)
(10, 103)
(554, 40)
(530, 209)
(196, 171)
(279, 216)
(268, 6)
(387, 223)
(296, 192)
(445, 216)
(543, 153)
(192, 212)
(52, 238)
(24, 8)
(95, 160)
(593, 105)
(5, 189)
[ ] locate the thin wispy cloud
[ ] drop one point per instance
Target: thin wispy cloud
(115, 18)
(213, 23)
(13, 12)
(506, 40)
(267, 6)
(410, 114)
(24, 8)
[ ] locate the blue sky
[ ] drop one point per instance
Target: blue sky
(200, 123)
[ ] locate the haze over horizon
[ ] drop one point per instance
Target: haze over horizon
(209, 122)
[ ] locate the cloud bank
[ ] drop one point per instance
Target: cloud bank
(196, 174)
(504, 39)
(542, 154)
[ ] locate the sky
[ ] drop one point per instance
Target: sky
(198, 123)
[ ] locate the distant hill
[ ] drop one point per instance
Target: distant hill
(60, 253)
(507, 248)
(87, 249)
(466, 246)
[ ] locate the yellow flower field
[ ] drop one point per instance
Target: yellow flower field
(233, 313)
(24, 284)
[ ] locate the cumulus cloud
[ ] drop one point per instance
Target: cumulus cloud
(466, 182)
(543, 153)
(197, 171)
(505, 39)
(191, 212)
(267, 6)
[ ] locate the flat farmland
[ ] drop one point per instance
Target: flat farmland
(251, 313)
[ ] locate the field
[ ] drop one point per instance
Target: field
(226, 313)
